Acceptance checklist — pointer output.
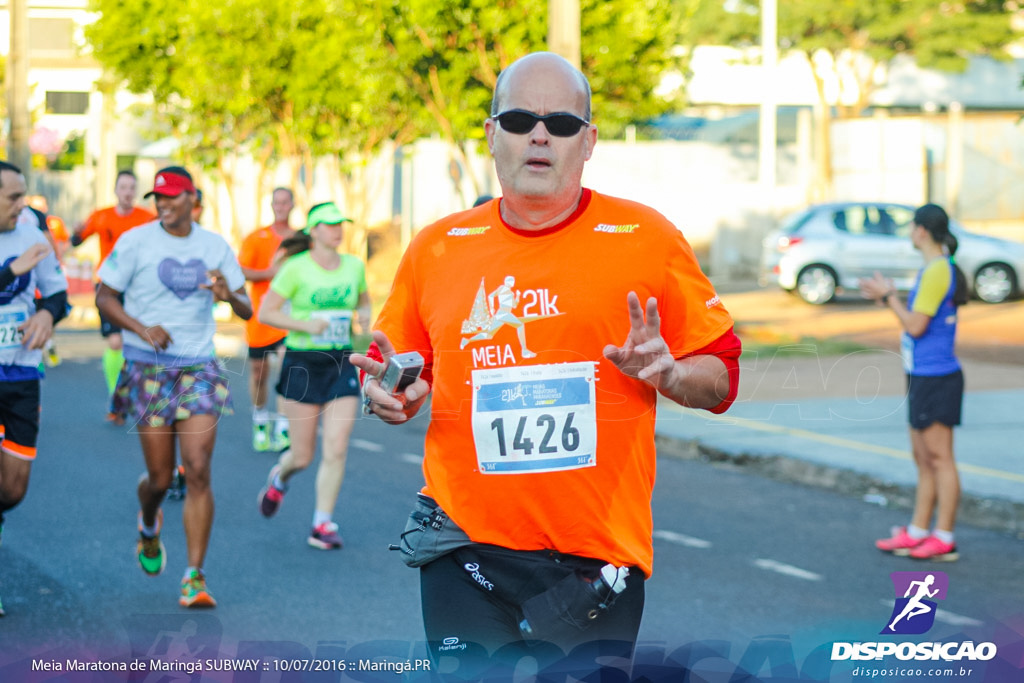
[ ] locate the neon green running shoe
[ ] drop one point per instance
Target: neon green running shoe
(279, 440)
(194, 592)
(150, 549)
(261, 437)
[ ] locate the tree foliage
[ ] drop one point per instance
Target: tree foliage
(857, 38)
(279, 79)
(254, 64)
(449, 53)
(938, 35)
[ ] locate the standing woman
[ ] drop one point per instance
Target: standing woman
(171, 272)
(935, 384)
(326, 290)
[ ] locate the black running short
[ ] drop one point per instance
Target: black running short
(19, 417)
(108, 328)
(472, 611)
(261, 352)
(317, 376)
(935, 399)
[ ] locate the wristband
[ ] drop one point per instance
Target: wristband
(56, 304)
(885, 297)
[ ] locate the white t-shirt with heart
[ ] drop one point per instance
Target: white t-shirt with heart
(160, 275)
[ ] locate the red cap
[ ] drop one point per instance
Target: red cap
(168, 184)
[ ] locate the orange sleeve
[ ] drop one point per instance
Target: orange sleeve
(689, 299)
(90, 227)
(400, 318)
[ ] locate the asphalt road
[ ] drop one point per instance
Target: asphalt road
(747, 570)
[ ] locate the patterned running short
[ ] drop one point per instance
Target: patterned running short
(157, 396)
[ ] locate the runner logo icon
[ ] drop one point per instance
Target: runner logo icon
(914, 611)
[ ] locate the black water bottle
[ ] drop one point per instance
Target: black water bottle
(572, 600)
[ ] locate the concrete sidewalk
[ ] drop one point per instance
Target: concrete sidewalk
(841, 423)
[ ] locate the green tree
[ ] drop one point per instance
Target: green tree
(276, 79)
(450, 53)
(272, 79)
(862, 36)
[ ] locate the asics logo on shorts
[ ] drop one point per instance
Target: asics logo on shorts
(474, 570)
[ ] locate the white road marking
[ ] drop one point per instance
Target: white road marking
(787, 570)
(372, 446)
(680, 539)
(411, 458)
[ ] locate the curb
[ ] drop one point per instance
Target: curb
(989, 513)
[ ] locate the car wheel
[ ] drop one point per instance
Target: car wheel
(994, 283)
(816, 284)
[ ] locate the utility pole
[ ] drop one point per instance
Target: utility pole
(564, 29)
(768, 130)
(17, 87)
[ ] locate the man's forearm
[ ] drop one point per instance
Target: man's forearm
(697, 382)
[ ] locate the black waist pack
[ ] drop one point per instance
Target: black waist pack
(429, 534)
(554, 593)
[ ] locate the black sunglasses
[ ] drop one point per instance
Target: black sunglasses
(520, 122)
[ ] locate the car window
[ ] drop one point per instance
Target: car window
(902, 218)
(839, 220)
(865, 220)
(852, 219)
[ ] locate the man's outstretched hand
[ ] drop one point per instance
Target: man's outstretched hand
(644, 355)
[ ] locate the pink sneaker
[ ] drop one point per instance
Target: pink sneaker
(900, 543)
(325, 537)
(270, 496)
(932, 548)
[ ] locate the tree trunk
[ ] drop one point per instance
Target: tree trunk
(228, 178)
(823, 140)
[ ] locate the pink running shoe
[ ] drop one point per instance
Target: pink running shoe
(933, 549)
(900, 543)
(270, 496)
(325, 537)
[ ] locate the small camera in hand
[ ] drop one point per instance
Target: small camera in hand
(401, 370)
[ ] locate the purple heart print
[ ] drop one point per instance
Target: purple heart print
(182, 279)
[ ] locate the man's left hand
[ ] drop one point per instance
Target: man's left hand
(644, 355)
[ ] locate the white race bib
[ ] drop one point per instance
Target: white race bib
(537, 418)
(10, 320)
(339, 328)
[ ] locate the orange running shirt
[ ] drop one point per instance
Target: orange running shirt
(110, 225)
(257, 253)
(536, 441)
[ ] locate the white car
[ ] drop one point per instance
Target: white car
(827, 248)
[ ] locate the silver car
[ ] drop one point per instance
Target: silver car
(827, 248)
